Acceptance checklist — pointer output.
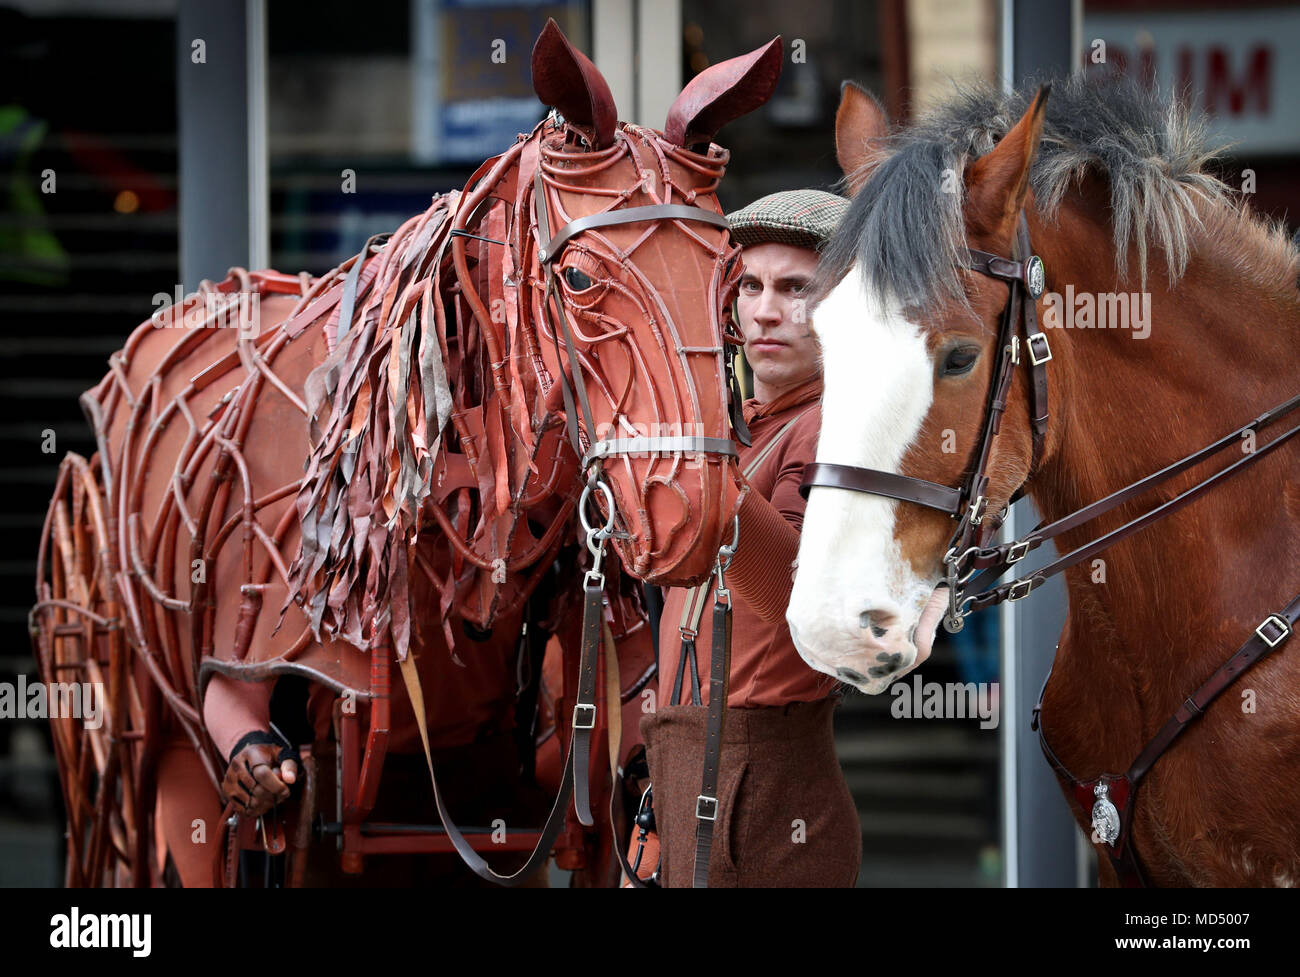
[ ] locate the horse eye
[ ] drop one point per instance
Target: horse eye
(960, 360)
(578, 280)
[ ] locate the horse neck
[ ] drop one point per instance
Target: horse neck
(1221, 350)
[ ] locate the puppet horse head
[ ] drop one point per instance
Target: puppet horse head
(631, 272)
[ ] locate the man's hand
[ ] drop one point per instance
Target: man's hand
(255, 779)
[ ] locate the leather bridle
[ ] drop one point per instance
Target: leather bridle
(972, 564)
(591, 455)
(969, 503)
(549, 247)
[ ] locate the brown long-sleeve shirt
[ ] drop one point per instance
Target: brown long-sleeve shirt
(766, 670)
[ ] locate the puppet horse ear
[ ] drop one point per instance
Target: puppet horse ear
(566, 80)
(723, 92)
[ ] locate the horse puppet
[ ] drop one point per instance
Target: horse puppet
(1166, 365)
(389, 464)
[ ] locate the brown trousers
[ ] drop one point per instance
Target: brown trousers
(785, 815)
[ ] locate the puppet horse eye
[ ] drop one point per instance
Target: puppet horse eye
(578, 280)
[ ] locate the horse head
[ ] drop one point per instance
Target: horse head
(868, 593)
(632, 274)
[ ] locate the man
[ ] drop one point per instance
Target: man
(785, 816)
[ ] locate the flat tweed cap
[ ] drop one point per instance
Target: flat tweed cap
(803, 218)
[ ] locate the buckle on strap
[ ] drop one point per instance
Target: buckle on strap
(1283, 630)
(588, 712)
(1013, 556)
(1020, 589)
(1038, 359)
(706, 808)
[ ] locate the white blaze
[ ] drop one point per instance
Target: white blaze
(878, 378)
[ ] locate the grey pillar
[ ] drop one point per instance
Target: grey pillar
(1040, 838)
(221, 133)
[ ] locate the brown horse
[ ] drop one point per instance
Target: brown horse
(1126, 219)
(384, 464)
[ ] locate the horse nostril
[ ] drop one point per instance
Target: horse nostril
(890, 664)
(849, 675)
(878, 621)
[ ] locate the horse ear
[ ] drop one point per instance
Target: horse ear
(565, 79)
(860, 123)
(998, 182)
(723, 92)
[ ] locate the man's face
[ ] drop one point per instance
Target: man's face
(779, 342)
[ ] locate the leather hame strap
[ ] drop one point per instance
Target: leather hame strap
(697, 597)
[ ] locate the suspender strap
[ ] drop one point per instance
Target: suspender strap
(692, 611)
(696, 597)
(706, 804)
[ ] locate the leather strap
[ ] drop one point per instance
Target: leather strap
(903, 487)
(628, 215)
(574, 376)
(1272, 633)
(1037, 348)
(999, 556)
(706, 804)
(1022, 587)
(658, 445)
(693, 608)
(579, 751)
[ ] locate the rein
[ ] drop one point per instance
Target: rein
(972, 565)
